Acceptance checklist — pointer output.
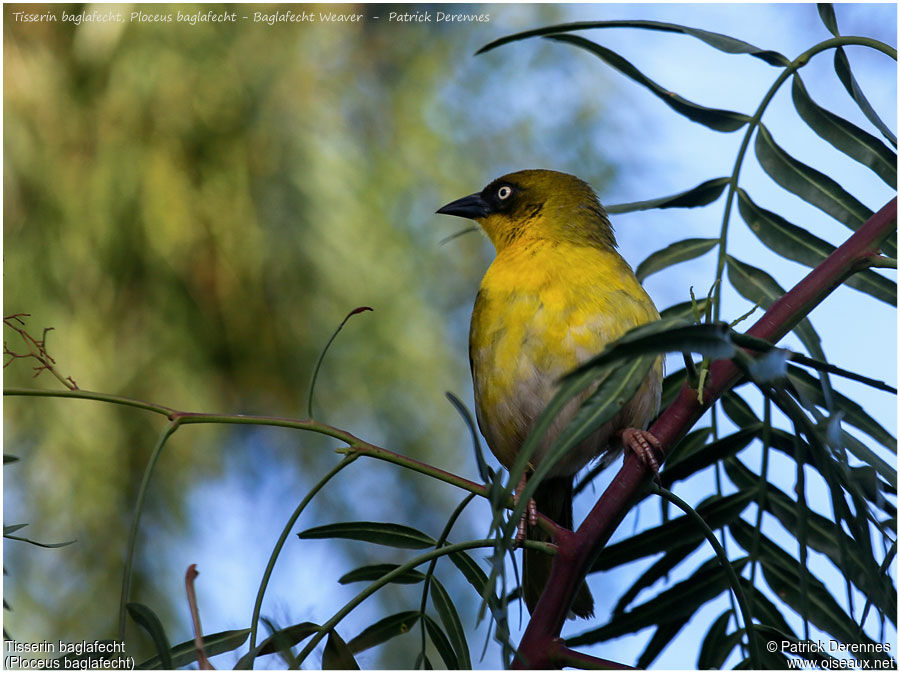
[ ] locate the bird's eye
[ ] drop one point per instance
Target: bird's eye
(504, 192)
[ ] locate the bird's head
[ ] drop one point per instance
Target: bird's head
(537, 204)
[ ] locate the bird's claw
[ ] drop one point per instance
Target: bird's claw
(529, 518)
(645, 446)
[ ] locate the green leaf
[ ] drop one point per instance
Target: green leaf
(286, 637)
(613, 393)
(450, 619)
(278, 641)
(9, 458)
(808, 183)
(758, 287)
(716, 644)
(688, 445)
(470, 570)
(823, 535)
(846, 137)
(826, 13)
(337, 655)
(737, 409)
(383, 630)
(680, 601)
(763, 609)
(782, 574)
(741, 476)
(869, 457)
(45, 545)
(792, 446)
(865, 480)
(661, 568)
(672, 385)
(854, 414)
(486, 473)
(842, 68)
(441, 644)
(147, 619)
(729, 45)
(712, 340)
(185, 653)
(388, 534)
(717, 511)
(716, 119)
(8, 530)
(701, 195)
(661, 637)
(374, 572)
(858, 522)
(707, 455)
(656, 337)
(680, 251)
(795, 243)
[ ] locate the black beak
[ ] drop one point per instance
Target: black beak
(472, 207)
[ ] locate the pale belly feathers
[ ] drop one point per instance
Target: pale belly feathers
(520, 346)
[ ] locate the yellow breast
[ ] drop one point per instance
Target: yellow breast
(543, 307)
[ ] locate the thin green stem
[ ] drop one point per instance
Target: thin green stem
(88, 395)
(135, 521)
(882, 262)
(726, 565)
(273, 557)
(714, 425)
(802, 516)
(763, 488)
(355, 445)
(853, 40)
(755, 121)
(440, 542)
(800, 420)
(315, 374)
(372, 451)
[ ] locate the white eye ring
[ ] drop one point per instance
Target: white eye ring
(504, 192)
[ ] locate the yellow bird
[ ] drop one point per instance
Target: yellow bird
(554, 296)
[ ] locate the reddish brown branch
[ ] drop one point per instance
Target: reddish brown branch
(189, 577)
(577, 552)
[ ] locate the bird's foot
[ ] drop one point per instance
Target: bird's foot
(644, 445)
(529, 518)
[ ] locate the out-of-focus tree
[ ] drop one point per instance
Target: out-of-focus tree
(193, 209)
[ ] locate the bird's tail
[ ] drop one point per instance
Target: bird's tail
(553, 498)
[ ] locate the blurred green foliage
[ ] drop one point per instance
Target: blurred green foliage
(193, 209)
